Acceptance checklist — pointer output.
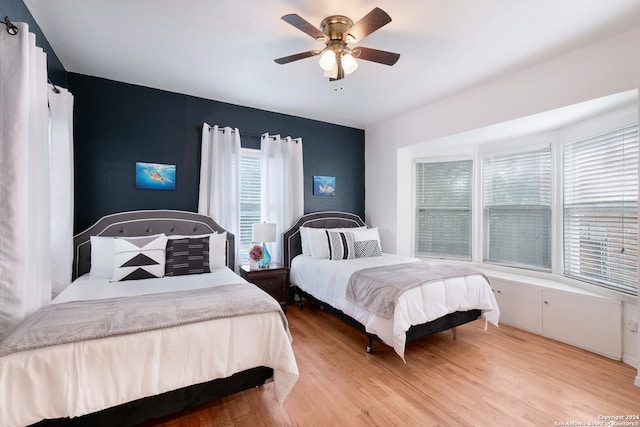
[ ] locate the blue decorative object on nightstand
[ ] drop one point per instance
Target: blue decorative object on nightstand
(266, 257)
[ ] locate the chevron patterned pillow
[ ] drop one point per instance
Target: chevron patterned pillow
(139, 257)
(367, 248)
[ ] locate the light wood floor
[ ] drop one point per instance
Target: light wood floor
(499, 377)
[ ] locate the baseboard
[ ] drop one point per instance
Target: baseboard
(631, 361)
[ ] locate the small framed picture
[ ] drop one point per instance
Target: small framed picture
(324, 185)
(155, 176)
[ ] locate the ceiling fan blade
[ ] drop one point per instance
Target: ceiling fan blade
(304, 26)
(375, 55)
(296, 57)
(371, 22)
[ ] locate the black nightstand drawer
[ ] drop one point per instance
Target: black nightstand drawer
(272, 280)
(271, 286)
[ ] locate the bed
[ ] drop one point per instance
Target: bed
(161, 344)
(316, 251)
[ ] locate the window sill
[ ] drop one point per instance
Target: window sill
(548, 280)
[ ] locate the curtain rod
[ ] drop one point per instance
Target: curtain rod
(223, 128)
(53, 87)
(255, 135)
(11, 28)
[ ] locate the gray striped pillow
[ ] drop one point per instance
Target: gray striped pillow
(340, 245)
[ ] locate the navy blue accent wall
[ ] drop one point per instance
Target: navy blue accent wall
(117, 124)
(18, 12)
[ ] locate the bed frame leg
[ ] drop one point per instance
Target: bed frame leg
(369, 348)
(455, 332)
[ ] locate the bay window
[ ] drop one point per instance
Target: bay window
(443, 209)
(601, 209)
(517, 209)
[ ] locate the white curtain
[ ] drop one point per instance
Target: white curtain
(25, 264)
(61, 147)
(220, 179)
(282, 200)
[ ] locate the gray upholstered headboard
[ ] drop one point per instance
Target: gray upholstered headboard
(141, 223)
(327, 219)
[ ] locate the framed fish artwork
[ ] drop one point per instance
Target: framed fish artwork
(324, 185)
(155, 176)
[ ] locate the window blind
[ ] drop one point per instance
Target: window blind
(250, 180)
(601, 209)
(443, 209)
(517, 209)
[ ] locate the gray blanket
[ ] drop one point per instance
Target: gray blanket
(377, 289)
(83, 320)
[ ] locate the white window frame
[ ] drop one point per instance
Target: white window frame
(472, 207)
(525, 146)
(575, 136)
(246, 245)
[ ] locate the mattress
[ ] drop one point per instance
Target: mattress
(70, 380)
(327, 281)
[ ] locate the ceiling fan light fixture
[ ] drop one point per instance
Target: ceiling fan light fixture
(327, 60)
(333, 72)
(337, 59)
(349, 64)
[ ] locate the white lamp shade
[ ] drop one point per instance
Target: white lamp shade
(264, 232)
(349, 63)
(327, 60)
(333, 72)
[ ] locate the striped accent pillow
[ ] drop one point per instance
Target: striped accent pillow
(340, 245)
(188, 255)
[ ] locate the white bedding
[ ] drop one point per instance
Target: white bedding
(327, 280)
(86, 287)
(84, 377)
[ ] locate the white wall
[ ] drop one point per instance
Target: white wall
(606, 68)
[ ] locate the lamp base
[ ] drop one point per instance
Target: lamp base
(266, 258)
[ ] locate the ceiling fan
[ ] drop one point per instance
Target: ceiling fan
(337, 31)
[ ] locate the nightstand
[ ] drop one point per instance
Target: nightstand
(272, 280)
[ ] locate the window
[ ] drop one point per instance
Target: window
(250, 180)
(443, 209)
(601, 209)
(517, 209)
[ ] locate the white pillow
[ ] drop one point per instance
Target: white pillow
(217, 247)
(141, 257)
(318, 243)
(304, 240)
(362, 234)
(101, 257)
(218, 250)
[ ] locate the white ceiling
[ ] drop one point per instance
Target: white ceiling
(224, 49)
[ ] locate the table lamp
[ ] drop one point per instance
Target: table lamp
(264, 232)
